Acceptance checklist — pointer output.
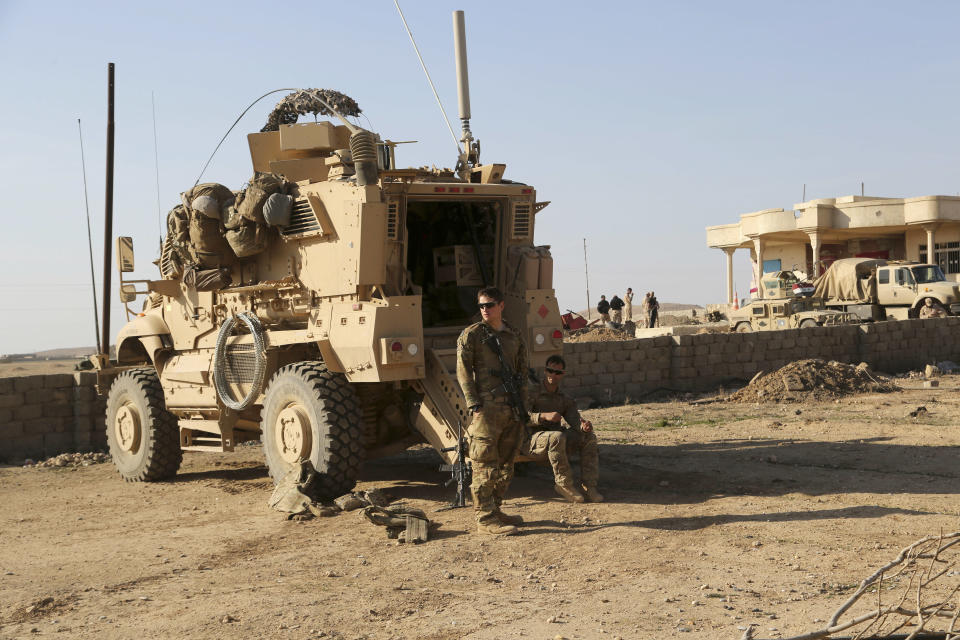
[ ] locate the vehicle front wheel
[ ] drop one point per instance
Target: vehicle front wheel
(808, 323)
(744, 327)
(311, 413)
(144, 438)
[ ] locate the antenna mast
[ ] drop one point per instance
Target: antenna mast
(470, 152)
(108, 222)
(586, 276)
(86, 202)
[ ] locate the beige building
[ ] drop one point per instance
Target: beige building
(817, 232)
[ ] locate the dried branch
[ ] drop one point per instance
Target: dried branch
(921, 565)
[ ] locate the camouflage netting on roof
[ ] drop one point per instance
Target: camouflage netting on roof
(306, 101)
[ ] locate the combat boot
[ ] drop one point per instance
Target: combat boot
(592, 494)
(505, 519)
(569, 493)
(494, 527)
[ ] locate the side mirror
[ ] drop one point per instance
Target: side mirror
(128, 293)
(125, 254)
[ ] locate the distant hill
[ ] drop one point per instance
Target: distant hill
(72, 352)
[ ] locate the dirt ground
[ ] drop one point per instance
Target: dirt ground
(718, 516)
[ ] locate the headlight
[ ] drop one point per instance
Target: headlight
(412, 349)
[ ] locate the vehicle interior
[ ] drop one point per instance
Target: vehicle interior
(445, 238)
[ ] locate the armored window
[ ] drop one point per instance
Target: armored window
(883, 276)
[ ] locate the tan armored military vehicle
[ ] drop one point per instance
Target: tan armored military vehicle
(782, 309)
(318, 312)
(786, 313)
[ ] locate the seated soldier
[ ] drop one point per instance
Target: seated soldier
(549, 440)
(932, 309)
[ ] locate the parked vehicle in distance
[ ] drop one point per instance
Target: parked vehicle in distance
(875, 289)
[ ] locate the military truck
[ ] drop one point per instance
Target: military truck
(326, 325)
(876, 289)
(772, 314)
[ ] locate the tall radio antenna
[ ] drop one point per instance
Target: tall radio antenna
(429, 79)
(156, 166)
(86, 202)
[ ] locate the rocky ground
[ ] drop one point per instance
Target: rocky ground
(719, 516)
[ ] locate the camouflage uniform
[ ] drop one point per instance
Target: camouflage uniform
(934, 311)
(495, 433)
(628, 307)
(554, 442)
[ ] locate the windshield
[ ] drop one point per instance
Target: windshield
(928, 273)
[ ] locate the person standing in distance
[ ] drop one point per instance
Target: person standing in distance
(628, 305)
(495, 432)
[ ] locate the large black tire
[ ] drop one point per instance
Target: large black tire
(311, 413)
(143, 437)
(744, 327)
(808, 323)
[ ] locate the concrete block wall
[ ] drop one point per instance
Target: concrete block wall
(631, 369)
(45, 415)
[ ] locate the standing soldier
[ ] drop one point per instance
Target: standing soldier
(645, 310)
(603, 308)
(616, 310)
(496, 431)
(628, 305)
(654, 310)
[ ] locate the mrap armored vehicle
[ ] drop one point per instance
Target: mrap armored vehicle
(317, 310)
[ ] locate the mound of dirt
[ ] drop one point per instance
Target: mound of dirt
(813, 380)
(597, 334)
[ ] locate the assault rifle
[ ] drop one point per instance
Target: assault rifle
(510, 380)
(460, 472)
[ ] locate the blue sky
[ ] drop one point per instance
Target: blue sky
(642, 122)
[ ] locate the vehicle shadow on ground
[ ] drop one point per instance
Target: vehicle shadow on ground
(691, 473)
(247, 472)
(702, 522)
(695, 472)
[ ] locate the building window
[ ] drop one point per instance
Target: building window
(945, 254)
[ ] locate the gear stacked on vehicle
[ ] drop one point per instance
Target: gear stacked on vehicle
(213, 227)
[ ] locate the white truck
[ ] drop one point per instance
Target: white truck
(876, 289)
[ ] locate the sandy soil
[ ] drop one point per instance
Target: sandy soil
(719, 516)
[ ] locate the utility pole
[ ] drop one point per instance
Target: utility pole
(586, 276)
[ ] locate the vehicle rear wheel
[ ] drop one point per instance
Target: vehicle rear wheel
(744, 327)
(311, 413)
(809, 322)
(144, 438)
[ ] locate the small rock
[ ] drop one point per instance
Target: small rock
(664, 483)
(448, 575)
(684, 629)
(551, 619)
(227, 619)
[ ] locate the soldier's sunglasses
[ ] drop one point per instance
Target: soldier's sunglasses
(487, 305)
(556, 372)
